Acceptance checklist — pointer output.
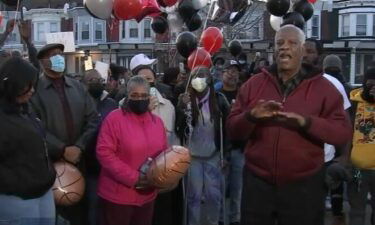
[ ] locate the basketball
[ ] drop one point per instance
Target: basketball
(69, 185)
(169, 167)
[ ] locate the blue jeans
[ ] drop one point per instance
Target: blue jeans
(37, 211)
(237, 162)
(204, 191)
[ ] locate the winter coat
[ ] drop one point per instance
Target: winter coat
(281, 154)
(126, 141)
(25, 168)
(48, 107)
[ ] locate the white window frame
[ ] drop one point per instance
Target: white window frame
(365, 25)
(50, 27)
(123, 30)
(317, 17)
(76, 31)
(129, 30)
(144, 29)
(343, 25)
(141, 32)
(81, 22)
(102, 29)
(40, 34)
(47, 29)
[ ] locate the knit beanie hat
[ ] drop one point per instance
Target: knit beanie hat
(332, 61)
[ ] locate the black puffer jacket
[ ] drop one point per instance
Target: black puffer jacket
(25, 168)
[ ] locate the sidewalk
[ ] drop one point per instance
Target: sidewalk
(329, 219)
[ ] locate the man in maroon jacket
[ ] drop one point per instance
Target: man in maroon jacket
(286, 113)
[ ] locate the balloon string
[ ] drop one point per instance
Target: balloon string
(16, 14)
(208, 14)
(195, 60)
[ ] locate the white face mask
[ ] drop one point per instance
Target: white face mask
(199, 84)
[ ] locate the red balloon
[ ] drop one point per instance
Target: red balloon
(199, 57)
(212, 39)
(127, 9)
(170, 2)
(149, 8)
(312, 1)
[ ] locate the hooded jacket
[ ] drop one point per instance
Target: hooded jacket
(281, 154)
(362, 155)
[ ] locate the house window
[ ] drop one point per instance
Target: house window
(373, 25)
(147, 28)
(361, 24)
(53, 27)
(98, 31)
(315, 27)
(76, 31)
(133, 29)
(256, 31)
(345, 25)
(123, 32)
(85, 31)
(40, 32)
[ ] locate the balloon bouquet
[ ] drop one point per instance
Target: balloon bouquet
(282, 13)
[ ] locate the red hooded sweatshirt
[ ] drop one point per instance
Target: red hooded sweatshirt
(281, 154)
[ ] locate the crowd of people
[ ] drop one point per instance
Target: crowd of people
(268, 142)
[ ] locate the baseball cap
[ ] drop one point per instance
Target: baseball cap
(230, 63)
(141, 60)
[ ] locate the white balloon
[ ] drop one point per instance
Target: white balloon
(100, 8)
(276, 22)
(198, 4)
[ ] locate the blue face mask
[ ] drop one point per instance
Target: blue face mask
(57, 63)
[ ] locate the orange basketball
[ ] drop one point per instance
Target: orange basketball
(69, 185)
(169, 167)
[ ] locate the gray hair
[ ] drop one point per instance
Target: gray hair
(137, 81)
(301, 34)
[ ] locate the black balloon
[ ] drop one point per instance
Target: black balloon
(187, 42)
(159, 25)
(186, 10)
(195, 22)
(278, 7)
(235, 48)
(294, 18)
(305, 8)
(91, 14)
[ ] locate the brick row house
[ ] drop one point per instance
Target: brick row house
(346, 27)
(107, 41)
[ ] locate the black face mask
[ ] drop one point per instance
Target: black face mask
(138, 106)
(96, 90)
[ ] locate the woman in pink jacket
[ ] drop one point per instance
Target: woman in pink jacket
(128, 138)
